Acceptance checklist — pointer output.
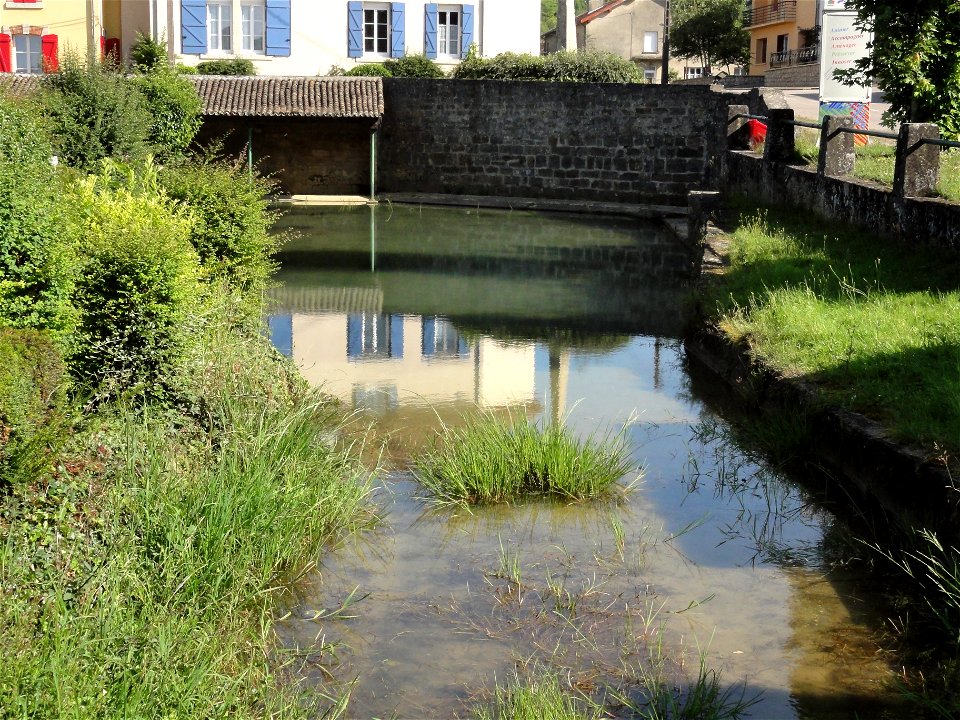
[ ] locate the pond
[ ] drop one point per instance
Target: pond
(415, 317)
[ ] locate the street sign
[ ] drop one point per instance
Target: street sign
(841, 44)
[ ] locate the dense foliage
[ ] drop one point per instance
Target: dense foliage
(711, 31)
(914, 58)
(593, 67)
(234, 66)
(147, 55)
(95, 113)
(369, 70)
(414, 66)
(175, 110)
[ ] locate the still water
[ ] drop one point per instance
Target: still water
(417, 316)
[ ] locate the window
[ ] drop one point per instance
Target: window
(448, 31)
(783, 43)
(374, 335)
(649, 74)
(252, 25)
(761, 56)
(219, 26)
(28, 53)
(692, 72)
(441, 339)
(376, 29)
(650, 41)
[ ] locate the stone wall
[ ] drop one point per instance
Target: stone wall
(619, 143)
(793, 76)
(911, 220)
(307, 156)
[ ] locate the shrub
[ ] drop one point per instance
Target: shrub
(147, 54)
(414, 66)
(368, 70)
(231, 222)
(96, 113)
(235, 66)
(36, 262)
(175, 109)
(137, 287)
(596, 67)
(31, 384)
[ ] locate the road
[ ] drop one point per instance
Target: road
(806, 105)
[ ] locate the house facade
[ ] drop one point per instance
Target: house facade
(782, 33)
(35, 33)
(632, 29)
(315, 37)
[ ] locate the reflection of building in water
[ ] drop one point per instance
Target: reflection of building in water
(380, 361)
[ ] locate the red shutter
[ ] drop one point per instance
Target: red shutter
(50, 62)
(5, 64)
(103, 47)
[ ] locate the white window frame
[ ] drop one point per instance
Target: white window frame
(651, 47)
(220, 24)
(449, 33)
(25, 66)
(375, 36)
(692, 72)
(253, 27)
(649, 75)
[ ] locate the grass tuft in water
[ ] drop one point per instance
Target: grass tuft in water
(490, 460)
(539, 697)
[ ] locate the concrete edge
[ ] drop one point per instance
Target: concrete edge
(652, 212)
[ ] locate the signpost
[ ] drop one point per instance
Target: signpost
(841, 45)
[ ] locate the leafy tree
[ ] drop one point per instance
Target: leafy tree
(147, 54)
(548, 13)
(711, 31)
(914, 58)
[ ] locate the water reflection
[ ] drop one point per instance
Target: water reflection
(723, 548)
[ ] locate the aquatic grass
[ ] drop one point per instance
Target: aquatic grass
(539, 695)
(491, 460)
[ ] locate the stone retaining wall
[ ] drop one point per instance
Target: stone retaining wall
(617, 143)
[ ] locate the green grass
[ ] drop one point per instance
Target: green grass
(490, 460)
(875, 326)
(541, 696)
(139, 578)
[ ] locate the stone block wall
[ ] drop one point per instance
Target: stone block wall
(793, 76)
(307, 156)
(617, 143)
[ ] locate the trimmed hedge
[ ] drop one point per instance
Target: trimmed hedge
(414, 66)
(369, 70)
(236, 66)
(593, 67)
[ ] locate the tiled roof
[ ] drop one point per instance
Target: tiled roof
(341, 97)
(335, 97)
(19, 85)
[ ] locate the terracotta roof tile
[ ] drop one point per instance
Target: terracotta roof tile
(342, 97)
(339, 97)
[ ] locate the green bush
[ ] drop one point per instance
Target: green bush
(147, 54)
(414, 66)
(36, 261)
(369, 70)
(236, 66)
(175, 109)
(96, 113)
(137, 287)
(231, 229)
(594, 67)
(31, 384)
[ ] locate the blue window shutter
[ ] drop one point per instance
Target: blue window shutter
(354, 29)
(278, 28)
(193, 27)
(430, 34)
(396, 336)
(466, 31)
(397, 41)
(429, 336)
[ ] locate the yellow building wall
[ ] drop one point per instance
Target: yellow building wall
(806, 17)
(67, 19)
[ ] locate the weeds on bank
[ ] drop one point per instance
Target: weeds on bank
(877, 327)
(489, 460)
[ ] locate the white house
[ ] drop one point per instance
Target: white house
(309, 37)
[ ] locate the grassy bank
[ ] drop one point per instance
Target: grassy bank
(874, 325)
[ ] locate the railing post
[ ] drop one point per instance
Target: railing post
(738, 137)
(836, 147)
(780, 134)
(917, 168)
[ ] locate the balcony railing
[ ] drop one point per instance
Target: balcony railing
(803, 56)
(781, 11)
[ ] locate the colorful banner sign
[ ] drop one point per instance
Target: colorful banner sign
(859, 112)
(842, 44)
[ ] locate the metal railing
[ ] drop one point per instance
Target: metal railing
(803, 56)
(777, 11)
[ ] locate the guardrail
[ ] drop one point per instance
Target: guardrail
(788, 58)
(775, 12)
(917, 154)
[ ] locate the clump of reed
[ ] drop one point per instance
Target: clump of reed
(540, 697)
(492, 460)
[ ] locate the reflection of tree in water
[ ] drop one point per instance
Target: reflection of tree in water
(560, 337)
